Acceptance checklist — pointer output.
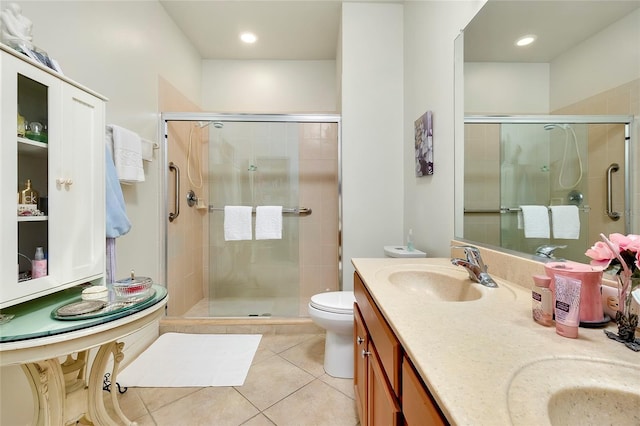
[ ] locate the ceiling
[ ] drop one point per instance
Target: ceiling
(308, 29)
(293, 30)
(559, 25)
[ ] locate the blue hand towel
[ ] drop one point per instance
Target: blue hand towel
(117, 222)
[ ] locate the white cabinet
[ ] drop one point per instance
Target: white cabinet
(67, 170)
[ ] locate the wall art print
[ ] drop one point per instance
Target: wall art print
(424, 144)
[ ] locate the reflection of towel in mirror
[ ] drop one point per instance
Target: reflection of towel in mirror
(116, 220)
(536, 221)
(565, 222)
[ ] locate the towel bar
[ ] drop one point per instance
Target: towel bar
(301, 211)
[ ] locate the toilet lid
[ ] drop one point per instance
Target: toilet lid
(339, 302)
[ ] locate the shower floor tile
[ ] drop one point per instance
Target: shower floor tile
(286, 385)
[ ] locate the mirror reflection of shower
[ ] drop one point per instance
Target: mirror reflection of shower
(567, 128)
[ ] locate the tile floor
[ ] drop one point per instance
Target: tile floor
(286, 385)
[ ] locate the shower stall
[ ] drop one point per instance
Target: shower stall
(511, 161)
(218, 160)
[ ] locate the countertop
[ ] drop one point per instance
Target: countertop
(479, 358)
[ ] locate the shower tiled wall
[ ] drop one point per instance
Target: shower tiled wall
(186, 248)
(621, 100)
(318, 191)
(482, 183)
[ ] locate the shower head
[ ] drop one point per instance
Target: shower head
(552, 126)
(216, 124)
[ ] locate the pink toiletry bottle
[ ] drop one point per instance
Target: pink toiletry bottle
(39, 264)
(542, 308)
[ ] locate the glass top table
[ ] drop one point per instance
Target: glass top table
(35, 319)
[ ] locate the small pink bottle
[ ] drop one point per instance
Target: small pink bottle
(542, 307)
(39, 264)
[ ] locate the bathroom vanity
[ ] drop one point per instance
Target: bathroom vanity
(387, 388)
(431, 344)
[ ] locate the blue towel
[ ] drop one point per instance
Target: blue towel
(117, 222)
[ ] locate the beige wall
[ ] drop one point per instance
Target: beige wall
(252, 86)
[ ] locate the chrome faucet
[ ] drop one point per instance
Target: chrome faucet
(475, 266)
(547, 250)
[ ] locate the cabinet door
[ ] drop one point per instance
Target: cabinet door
(383, 407)
(360, 345)
(66, 167)
(418, 406)
(34, 93)
(77, 179)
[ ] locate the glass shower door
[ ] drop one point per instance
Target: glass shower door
(253, 164)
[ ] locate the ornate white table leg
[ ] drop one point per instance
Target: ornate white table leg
(97, 411)
(47, 385)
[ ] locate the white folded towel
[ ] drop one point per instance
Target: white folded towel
(127, 154)
(565, 222)
(237, 223)
(268, 222)
(536, 221)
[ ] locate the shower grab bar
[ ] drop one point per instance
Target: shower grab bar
(614, 167)
(511, 210)
(301, 211)
(176, 201)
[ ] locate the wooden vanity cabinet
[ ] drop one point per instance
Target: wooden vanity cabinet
(388, 391)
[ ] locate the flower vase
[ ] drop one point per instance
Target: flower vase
(627, 324)
(626, 320)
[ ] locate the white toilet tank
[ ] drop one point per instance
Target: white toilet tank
(402, 251)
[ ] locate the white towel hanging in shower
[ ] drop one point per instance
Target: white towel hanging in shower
(237, 223)
(268, 222)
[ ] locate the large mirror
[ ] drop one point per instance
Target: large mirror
(547, 127)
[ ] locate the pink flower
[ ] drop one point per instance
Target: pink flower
(629, 242)
(601, 254)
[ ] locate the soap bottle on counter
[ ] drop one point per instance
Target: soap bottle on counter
(39, 264)
(542, 307)
(410, 246)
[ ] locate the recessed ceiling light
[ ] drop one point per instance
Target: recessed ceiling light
(526, 40)
(248, 38)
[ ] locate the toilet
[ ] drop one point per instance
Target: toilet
(333, 311)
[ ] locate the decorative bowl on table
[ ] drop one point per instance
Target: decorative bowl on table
(132, 287)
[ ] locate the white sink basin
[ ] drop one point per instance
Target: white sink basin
(437, 285)
(575, 392)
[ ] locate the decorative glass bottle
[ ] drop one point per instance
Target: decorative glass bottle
(28, 195)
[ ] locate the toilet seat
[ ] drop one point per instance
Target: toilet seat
(338, 302)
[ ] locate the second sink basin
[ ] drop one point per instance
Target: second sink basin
(576, 391)
(444, 286)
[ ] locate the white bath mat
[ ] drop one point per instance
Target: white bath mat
(192, 360)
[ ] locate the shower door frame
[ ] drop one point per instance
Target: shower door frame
(166, 117)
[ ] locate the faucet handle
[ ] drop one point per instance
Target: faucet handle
(546, 250)
(473, 256)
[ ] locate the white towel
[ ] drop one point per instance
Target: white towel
(536, 221)
(269, 222)
(127, 154)
(147, 150)
(565, 222)
(237, 223)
